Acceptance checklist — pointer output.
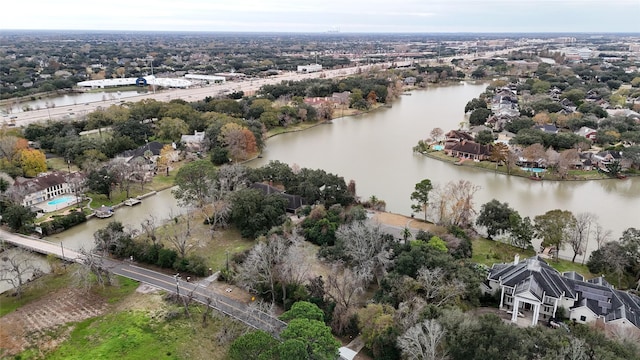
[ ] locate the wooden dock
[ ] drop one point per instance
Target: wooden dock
(132, 201)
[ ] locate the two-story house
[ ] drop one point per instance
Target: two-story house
(534, 288)
(45, 187)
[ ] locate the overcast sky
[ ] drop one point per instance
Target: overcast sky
(325, 15)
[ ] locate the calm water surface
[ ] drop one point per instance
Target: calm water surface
(375, 150)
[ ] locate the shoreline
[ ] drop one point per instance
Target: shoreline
(502, 172)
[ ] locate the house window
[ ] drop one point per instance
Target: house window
(583, 318)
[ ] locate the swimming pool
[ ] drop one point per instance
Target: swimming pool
(438, 147)
(60, 200)
(535, 170)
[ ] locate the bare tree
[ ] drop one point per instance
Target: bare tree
(436, 289)
(553, 157)
(138, 169)
(367, 247)
(579, 233)
(601, 235)
(149, 225)
(436, 134)
(343, 286)
(92, 268)
(17, 268)
(424, 341)
(179, 235)
(232, 177)
(574, 351)
(453, 204)
(259, 271)
(535, 153)
(123, 172)
(566, 161)
(409, 312)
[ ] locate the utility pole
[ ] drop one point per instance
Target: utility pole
(63, 259)
(177, 277)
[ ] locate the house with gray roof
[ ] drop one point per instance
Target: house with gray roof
(534, 288)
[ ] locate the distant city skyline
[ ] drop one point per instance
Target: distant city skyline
(351, 16)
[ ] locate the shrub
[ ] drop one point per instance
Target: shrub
(166, 258)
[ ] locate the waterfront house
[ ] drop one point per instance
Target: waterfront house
(44, 187)
(144, 158)
(533, 289)
(455, 136)
(469, 150)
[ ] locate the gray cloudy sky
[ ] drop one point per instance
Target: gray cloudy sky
(324, 15)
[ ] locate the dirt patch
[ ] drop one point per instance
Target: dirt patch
(402, 221)
(32, 324)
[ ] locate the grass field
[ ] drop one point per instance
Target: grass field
(137, 326)
(489, 252)
(213, 248)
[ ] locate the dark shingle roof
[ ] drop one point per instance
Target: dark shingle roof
(153, 146)
(538, 278)
(293, 201)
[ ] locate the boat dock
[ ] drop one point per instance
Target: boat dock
(132, 201)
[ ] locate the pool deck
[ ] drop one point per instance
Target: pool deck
(47, 208)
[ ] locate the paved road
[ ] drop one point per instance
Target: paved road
(238, 310)
(199, 93)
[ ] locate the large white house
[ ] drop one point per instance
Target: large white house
(534, 288)
(47, 186)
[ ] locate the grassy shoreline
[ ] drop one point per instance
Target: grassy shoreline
(574, 175)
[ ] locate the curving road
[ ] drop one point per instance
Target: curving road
(238, 310)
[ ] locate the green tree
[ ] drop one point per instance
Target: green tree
(101, 181)
(437, 243)
(421, 196)
(522, 230)
(172, 129)
(18, 217)
(255, 345)
(475, 103)
(484, 137)
(495, 216)
(479, 116)
(576, 96)
(194, 183)
(540, 87)
(478, 73)
(255, 213)
(303, 310)
(613, 168)
(319, 342)
(553, 228)
(292, 349)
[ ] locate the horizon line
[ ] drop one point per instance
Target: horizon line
(332, 32)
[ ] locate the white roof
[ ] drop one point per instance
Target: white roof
(346, 353)
(151, 80)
